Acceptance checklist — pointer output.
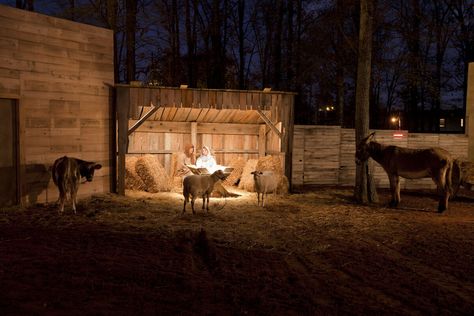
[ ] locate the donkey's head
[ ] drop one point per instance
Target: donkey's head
(362, 150)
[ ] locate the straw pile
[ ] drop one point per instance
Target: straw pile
(220, 191)
(267, 163)
(238, 165)
(174, 163)
(273, 163)
(132, 179)
(462, 175)
(246, 180)
(153, 174)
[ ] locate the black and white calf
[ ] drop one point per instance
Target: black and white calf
(67, 173)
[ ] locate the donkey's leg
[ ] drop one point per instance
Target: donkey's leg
(445, 187)
(395, 190)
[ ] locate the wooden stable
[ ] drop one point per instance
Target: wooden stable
(162, 120)
(55, 81)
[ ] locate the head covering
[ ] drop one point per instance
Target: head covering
(208, 150)
(192, 155)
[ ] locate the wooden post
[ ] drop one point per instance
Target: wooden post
(123, 100)
(262, 140)
(288, 138)
(469, 129)
(194, 134)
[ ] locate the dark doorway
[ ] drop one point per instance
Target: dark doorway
(9, 188)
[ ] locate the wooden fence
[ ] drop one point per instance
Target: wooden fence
(325, 154)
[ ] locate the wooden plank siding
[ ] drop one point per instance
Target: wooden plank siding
(60, 72)
(325, 154)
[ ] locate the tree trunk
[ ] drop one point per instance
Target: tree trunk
(339, 64)
(131, 22)
(216, 78)
(112, 22)
(241, 74)
(364, 190)
(277, 56)
(26, 4)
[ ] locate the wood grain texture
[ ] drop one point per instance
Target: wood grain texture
(60, 72)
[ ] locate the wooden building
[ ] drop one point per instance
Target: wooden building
(55, 79)
(162, 120)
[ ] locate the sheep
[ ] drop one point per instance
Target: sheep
(265, 182)
(200, 185)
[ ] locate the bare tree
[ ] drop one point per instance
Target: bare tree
(191, 9)
(364, 190)
(26, 5)
(130, 29)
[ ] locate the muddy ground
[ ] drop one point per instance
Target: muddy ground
(308, 253)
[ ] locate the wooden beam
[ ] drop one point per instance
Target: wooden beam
(228, 128)
(123, 97)
(194, 135)
(201, 128)
(269, 123)
(143, 119)
(217, 151)
(262, 140)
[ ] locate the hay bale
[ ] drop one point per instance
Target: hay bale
(270, 163)
(273, 163)
(132, 179)
(238, 165)
(174, 164)
(246, 180)
(462, 175)
(283, 185)
(153, 174)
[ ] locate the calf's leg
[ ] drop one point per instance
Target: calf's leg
(74, 196)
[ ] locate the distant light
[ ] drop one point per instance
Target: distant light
(398, 135)
(183, 86)
(394, 119)
(328, 108)
(267, 89)
(462, 122)
(442, 122)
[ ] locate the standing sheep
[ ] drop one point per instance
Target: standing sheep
(200, 185)
(265, 182)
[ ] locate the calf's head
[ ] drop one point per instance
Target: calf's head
(362, 151)
(87, 169)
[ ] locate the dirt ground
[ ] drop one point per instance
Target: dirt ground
(314, 252)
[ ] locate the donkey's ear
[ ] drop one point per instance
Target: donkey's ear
(371, 136)
(368, 138)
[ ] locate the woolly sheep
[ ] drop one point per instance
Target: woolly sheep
(200, 185)
(265, 182)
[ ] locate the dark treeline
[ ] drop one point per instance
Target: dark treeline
(420, 51)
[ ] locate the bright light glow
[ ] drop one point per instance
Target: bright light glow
(394, 119)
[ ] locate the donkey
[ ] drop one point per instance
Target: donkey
(435, 163)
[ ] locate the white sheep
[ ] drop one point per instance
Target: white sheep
(265, 182)
(200, 185)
